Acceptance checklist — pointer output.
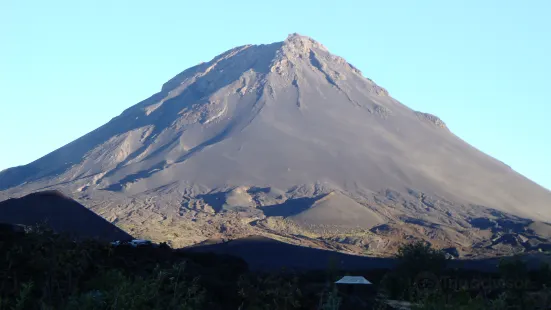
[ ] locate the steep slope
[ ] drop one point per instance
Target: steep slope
(61, 214)
(287, 123)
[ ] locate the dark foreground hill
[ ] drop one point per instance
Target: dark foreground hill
(60, 213)
(266, 254)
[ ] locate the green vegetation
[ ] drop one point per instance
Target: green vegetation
(421, 277)
(43, 270)
(332, 301)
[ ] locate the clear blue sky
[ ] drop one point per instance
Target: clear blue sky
(484, 67)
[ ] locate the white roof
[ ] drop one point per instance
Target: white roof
(353, 280)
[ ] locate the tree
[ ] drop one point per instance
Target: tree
(419, 257)
(417, 264)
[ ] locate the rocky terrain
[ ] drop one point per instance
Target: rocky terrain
(291, 142)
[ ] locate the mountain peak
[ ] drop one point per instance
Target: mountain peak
(300, 43)
(297, 36)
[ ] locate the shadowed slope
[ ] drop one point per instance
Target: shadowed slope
(262, 253)
(62, 214)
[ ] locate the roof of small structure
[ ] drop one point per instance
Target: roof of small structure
(353, 280)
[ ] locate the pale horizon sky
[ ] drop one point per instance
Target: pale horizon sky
(68, 67)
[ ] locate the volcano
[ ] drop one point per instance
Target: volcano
(289, 140)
